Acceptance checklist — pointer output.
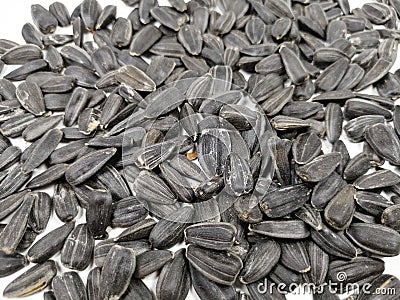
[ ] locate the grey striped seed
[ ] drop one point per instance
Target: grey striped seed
(9, 156)
(178, 183)
(384, 141)
(144, 39)
(43, 19)
(373, 203)
(139, 230)
(90, 11)
(319, 262)
(259, 261)
(357, 166)
(174, 281)
(42, 150)
(284, 201)
(151, 188)
(333, 122)
(65, 202)
(377, 72)
(310, 215)
(121, 33)
(13, 233)
(223, 235)
(334, 243)
(21, 54)
(86, 166)
(76, 55)
(151, 261)
(218, 266)
(9, 204)
(11, 263)
(75, 106)
(32, 281)
(378, 179)
(116, 273)
(69, 286)
(207, 289)
(332, 75)
(98, 213)
(306, 147)
(294, 256)
(31, 35)
(50, 244)
(191, 39)
(369, 238)
(169, 17)
(169, 231)
(160, 68)
(320, 167)
(40, 212)
(107, 16)
(389, 217)
(77, 251)
(40, 127)
(290, 229)
(293, 66)
(135, 78)
(93, 284)
(31, 98)
(355, 128)
(14, 180)
(61, 13)
(101, 249)
(353, 76)
(340, 209)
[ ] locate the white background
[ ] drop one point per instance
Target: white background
(13, 15)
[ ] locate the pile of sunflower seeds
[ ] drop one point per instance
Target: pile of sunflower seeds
(217, 123)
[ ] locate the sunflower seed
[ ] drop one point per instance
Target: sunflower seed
(50, 244)
(369, 236)
(86, 166)
(345, 200)
(12, 234)
(334, 243)
(61, 13)
(220, 267)
(90, 11)
(32, 281)
(93, 284)
(43, 19)
(42, 150)
(107, 16)
(31, 35)
(11, 263)
(31, 98)
(174, 284)
(389, 217)
(117, 271)
(78, 248)
(69, 285)
(151, 261)
(320, 167)
(282, 202)
(290, 229)
(378, 179)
